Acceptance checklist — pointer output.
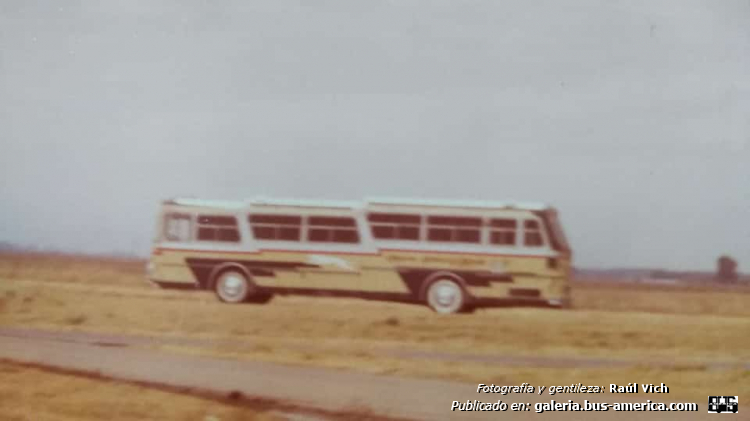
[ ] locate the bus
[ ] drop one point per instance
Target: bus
(453, 256)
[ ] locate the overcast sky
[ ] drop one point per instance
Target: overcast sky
(632, 118)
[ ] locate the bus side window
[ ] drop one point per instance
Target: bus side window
(455, 229)
(218, 228)
(394, 226)
(276, 227)
(503, 232)
(177, 227)
(532, 234)
(332, 229)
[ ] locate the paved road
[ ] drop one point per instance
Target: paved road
(331, 390)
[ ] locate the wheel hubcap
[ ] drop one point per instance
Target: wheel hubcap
(232, 286)
(446, 295)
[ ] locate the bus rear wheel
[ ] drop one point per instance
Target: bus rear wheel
(233, 287)
(445, 296)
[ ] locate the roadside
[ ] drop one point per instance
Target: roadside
(692, 353)
(306, 389)
(29, 392)
(239, 345)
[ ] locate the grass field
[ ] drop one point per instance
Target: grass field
(28, 393)
(691, 328)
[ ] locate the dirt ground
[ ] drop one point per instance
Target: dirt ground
(29, 393)
(692, 329)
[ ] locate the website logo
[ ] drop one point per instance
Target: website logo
(723, 404)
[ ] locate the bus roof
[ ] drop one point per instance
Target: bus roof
(483, 204)
(305, 203)
(309, 203)
(223, 204)
(262, 201)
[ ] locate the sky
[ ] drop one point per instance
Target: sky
(631, 118)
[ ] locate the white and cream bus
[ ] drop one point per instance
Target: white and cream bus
(453, 256)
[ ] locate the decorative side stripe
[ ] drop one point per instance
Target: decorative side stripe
(251, 264)
(202, 268)
(466, 253)
(259, 251)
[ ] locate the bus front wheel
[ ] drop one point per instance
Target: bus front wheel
(233, 287)
(445, 296)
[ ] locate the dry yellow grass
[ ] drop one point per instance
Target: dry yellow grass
(33, 394)
(365, 325)
(707, 300)
(688, 382)
(73, 269)
(637, 323)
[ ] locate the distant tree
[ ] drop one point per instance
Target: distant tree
(6, 246)
(726, 269)
(661, 274)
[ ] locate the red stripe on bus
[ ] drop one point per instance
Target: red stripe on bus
(269, 251)
(158, 251)
(466, 253)
(210, 251)
(358, 253)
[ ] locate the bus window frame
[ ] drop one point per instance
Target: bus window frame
(217, 227)
(191, 228)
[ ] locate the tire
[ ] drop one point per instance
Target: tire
(445, 296)
(260, 298)
(468, 309)
(233, 287)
